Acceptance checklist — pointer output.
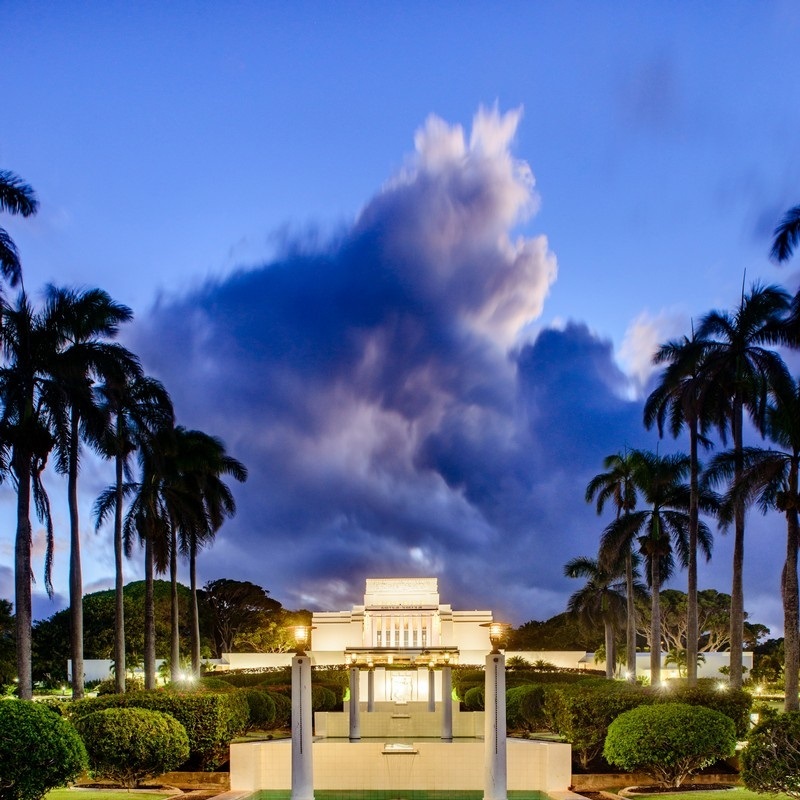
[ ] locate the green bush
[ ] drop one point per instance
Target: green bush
(735, 704)
(129, 745)
(771, 760)
(109, 686)
(261, 708)
(465, 678)
(211, 720)
(474, 698)
(39, 751)
(283, 709)
(531, 707)
(215, 685)
(322, 698)
(243, 680)
(669, 741)
(581, 712)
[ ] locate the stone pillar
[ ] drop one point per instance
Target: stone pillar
(447, 703)
(370, 690)
(355, 720)
(431, 689)
(495, 773)
(302, 738)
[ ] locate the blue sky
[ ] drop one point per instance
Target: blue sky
(420, 334)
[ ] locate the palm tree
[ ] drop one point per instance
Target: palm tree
(16, 197)
(601, 600)
(138, 407)
(31, 404)
(786, 236)
(683, 397)
(205, 464)
(617, 484)
(661, 530)
(771, 478)
(85, 318)
(737, 363)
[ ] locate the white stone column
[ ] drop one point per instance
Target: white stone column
(447, 703)
(355, 719)
(302, 738)
(431, 689)
(370, 690)
(495, 773)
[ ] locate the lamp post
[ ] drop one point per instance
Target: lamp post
(302, 737)
(495, 769)
(447, 700)
(355, 709)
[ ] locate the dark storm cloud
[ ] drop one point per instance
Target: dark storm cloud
(377, 390)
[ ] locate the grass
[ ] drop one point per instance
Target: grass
(719, 794)
(101, 794)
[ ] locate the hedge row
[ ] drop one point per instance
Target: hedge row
(211, 720)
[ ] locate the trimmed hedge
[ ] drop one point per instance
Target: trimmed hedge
(669, 741)
(734, 703)
(475, 699)
(261, 707)
(283, 709)
(211, 720)
(582, 712)
(39, 751)
(129, 745)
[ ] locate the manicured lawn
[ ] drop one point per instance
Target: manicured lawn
(720, 794)
(102, 794)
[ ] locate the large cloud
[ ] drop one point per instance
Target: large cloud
(375, 386)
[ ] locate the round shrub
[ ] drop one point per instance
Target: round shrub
(283, 709)
(771, 760)
(669, 742)
(322, 699)
(474, 698)
(39, 751)
(531, 707)
(261, 708)
(128, 745)
(215, 685)
(109, 686)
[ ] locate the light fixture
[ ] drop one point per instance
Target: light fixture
(497, 633)
(390, 659)
(302, 633)
(447, 658)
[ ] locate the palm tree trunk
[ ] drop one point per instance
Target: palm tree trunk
(149, 617)
(119, 584)
(195, 619)
(175, 643)
(611, 655)
(655, 623)
(75, 576)
(737, 589)
(630, 622)
(22, 576)
(791, 614)
(691, 589)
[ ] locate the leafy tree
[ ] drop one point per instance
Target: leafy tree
(738, 364)
(561, 632)
(680, 658)
(239, 610)
(772, 479)
(8, 668)
(660, 530)
(771, 760)
(16, 197)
